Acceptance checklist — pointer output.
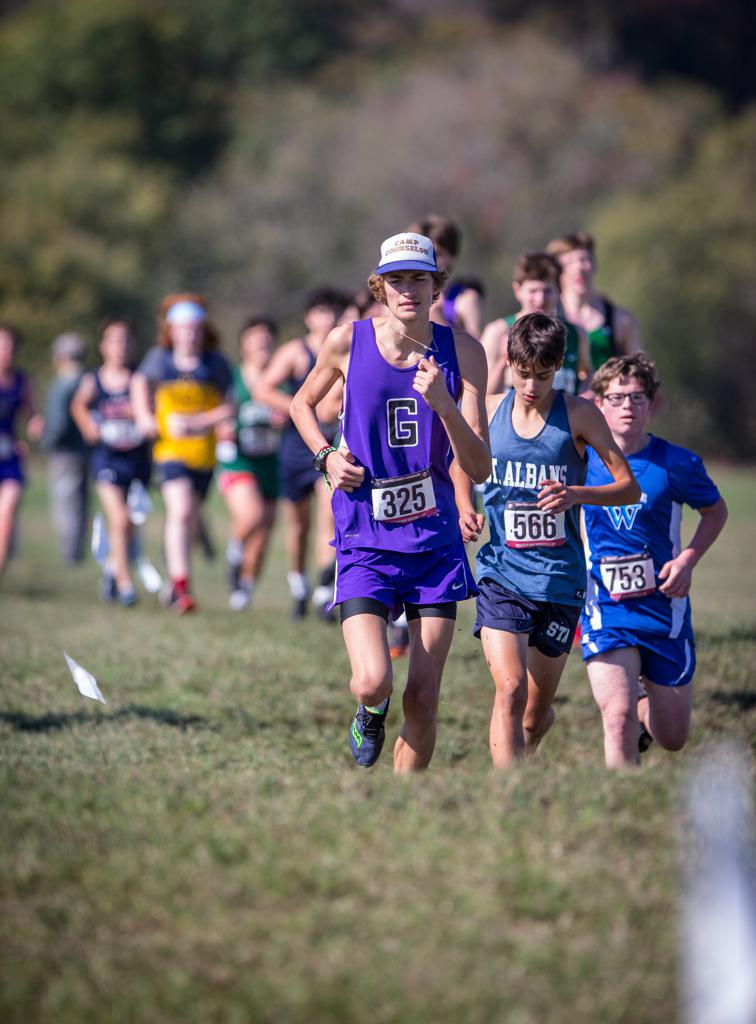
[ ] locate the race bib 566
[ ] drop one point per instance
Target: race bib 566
(528, 526)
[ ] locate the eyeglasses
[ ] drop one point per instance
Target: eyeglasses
(617, 398)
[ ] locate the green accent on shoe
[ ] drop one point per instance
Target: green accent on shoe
(375, 711)
(357, 736)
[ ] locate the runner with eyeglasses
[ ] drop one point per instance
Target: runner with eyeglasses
(636, 623)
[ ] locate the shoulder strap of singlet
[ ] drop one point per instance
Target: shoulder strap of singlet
(503, 410)
(99, 388)
(444, 343)
(310, 355)
(558, 412)
(240, 385)
(443, 340)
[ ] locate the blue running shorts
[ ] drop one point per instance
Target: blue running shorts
(200, 479)
(664, 661)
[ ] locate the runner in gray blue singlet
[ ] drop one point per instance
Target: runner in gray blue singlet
(541, 557)
(531, 573)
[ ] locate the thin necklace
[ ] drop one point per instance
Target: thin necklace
(420, 347)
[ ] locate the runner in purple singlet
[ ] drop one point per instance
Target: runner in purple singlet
(413, 400)
(16, 402)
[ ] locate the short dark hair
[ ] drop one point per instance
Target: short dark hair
(536, 338)
(440, 230)
(537, 266)
(325, 295)
(636, 367)
(115, 318)
(261, 320)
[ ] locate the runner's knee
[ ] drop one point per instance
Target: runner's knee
(618, 721)
(421, 703)
(372, 682)
(511, 696)
(671, 736)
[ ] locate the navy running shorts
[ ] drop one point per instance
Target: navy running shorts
(550, 626)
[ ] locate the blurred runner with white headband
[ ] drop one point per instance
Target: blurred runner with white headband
(181, 391)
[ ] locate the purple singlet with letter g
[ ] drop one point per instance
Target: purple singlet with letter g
(406, 500)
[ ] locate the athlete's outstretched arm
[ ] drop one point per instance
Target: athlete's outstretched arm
(628, 332)
(469, 309)
(678, 573)
(143, 404)
(494, 342)
(466, 426)
(331, 366)
(35, 422)
(201, 422)
(268, 390)
(590, 428)
(81, 409)
(471, 522)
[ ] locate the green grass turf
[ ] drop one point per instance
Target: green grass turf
(203, 848)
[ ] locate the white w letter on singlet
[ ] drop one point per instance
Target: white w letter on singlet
(402, 430)
(622, 515)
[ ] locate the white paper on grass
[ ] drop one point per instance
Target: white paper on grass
(84, 680)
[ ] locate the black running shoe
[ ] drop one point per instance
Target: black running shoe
(108, 586)
(645, 739)
(366, 735)
(233, 574)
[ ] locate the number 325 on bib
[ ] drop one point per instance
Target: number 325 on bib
(402, 499)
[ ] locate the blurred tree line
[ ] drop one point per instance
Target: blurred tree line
(250, 151)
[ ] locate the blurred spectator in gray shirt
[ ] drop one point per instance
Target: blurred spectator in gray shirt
(68, 466)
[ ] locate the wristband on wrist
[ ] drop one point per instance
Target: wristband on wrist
(319, 459)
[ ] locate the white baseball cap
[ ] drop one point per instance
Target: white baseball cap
(407, 251)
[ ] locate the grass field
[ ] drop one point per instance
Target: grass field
(203, 848)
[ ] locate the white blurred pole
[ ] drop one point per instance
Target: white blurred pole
(719, 907)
